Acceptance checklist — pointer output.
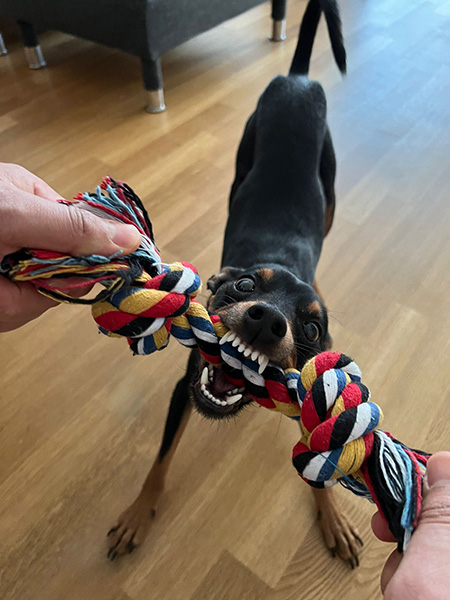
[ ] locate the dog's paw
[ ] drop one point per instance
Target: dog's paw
(130, 529)
(340, 537)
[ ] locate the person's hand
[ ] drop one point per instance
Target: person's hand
(31, 217)
(423, 573)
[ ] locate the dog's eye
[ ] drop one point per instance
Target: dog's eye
(312, 331)
(245, 285)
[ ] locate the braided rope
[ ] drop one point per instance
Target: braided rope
(340, 443)
(146, 301)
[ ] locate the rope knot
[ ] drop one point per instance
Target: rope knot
(337, 420)
(144, 313)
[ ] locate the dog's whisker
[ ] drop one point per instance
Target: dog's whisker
(300, 346)
(228, 300)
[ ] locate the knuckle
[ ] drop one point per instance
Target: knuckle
(83, 230)
(86, 231)
(438, 513)
(80, 222)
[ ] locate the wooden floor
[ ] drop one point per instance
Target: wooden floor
(81, 419)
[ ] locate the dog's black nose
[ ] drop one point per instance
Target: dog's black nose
(264, 324)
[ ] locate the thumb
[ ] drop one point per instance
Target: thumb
(425, 565)
(435, 514)
(27, 221)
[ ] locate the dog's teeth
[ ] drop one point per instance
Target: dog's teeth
(231, 335)
(232, 392)
(212, 398)
(204, 378)
(255, 354)
(234, 399)
(247, 351)
(236, 341)
(241, 348)
(226, 337)
(262, 364)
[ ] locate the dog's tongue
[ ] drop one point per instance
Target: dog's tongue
(221, 384)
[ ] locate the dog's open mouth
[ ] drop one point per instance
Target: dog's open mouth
(217, 389)
(214, 394)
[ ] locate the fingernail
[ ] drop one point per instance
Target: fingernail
(438, 468)
(125, 236)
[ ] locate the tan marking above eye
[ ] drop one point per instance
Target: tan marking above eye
(314, 309)
(266, 274)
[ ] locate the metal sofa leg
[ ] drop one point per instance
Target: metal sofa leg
(3, 49)
(33, 52)
(153, 83)
(278, 31)
(278, 20)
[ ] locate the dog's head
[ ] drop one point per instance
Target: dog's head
(272, 316)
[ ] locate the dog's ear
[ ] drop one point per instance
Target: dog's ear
(226, 274)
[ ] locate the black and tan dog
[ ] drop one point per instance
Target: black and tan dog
(281, 207)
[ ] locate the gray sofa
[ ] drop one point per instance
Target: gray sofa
(145, 28)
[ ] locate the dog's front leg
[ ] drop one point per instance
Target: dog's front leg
(133, 524)
(340, 537)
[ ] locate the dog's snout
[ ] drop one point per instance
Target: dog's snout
(264, 323)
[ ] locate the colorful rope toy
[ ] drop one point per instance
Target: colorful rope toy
(146, 301)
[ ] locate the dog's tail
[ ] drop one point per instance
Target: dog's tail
(308, 29)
